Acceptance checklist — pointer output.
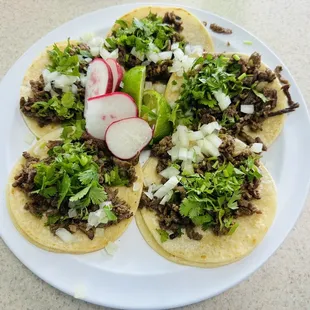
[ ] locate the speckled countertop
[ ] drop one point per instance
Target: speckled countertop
(284, 281)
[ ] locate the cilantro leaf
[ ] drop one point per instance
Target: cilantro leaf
(79, 195)
(64, 188)
(164, 236)
(110, 214)
(97, 195)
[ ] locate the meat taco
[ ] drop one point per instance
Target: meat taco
(208, 200)
(52, 91)
(73, 196)
(238, 91)
(150, 35)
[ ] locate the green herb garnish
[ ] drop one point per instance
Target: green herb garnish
(164, 236)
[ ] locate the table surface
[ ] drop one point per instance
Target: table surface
(284, 281)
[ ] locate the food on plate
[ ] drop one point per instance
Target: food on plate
(236, 90)
(219, 29)
(73, 196)
(208, 200)
(160, 38)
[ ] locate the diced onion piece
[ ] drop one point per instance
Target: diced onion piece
(152, 57)
(80, 291)
(210, 149)
(160, 88)
(187, 49)
(195, 135)
(198, 157)
(136, 186)
(174, 153)
(182, 153)
(166, 198)
(222, 99)
(74, 89)
(207, 129)
(95, 50)
(97, 217)
(187, 167)
(214, 139)
(137, 54)
(175, 138)
(239, 146)
(111, 248)
(169, 172)
(149, 195)
(183, 138)
(168, 186)
(178, 54)
(165, 55)
(175, 46)
(29, 138)
(65, 235)
(144, 156)
(148, 85)
(247, 108)
(190, 155)
(72, 213)
(256, 147)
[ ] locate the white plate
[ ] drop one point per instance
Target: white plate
(136, 277)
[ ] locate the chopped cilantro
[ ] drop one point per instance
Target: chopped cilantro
(113, 178)
(164, 236)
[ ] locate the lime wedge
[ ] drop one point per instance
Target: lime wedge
(134, 80)
(156, 110)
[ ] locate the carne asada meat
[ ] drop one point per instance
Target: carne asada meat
(219, 29)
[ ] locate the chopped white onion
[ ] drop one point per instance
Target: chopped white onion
(160, 88)
(97, 217)
(136, 186)
(190, 155)
(165, 55)
(174, 153)
(207, 129)
(144, 156)
(121, 85)
(80, 291)
(214, 139)
(178, 54)
(195, 135)
(104, 53)
(168, 186)
(256, 147)
(152, 57)
(48, 87)
(29, 138)
(183, 137)
(74, 89)
(198, 156)
(145, 63)
(72, 213)
(111, 248)
(140, 55)
(182, 153)
(95, 51)
(65, 235)
(166, 198)
(149, 195)
(247, 108)
(209, 149)
(222, 99)
(175, 46)
(169, 172)
(187, 167)
(83, 79)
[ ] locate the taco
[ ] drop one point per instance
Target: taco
(150, 36)
(210, 210)
(72, 196)
(52, 91)
(238, 91)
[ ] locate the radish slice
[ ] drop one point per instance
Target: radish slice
(127, 137)
(99, 80)
(104, 110)
(117, 72)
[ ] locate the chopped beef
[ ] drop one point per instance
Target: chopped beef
(246, 208)
(174, 20)
(192, 234)
(228, 43)
(285, 89)
(254, 63)
(205, 116)
(158, 71)
(205, 23)
(160, 149)
(54, 143)
(278, 71)
(219, 29)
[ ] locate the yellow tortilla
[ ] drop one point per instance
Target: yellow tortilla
(193, 31)
(33, 73)
(212, 251)
(272, 126)
(33, 229)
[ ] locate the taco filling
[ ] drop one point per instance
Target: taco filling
(207, 183)
(238, 92)
(58, 93)
(71, 187)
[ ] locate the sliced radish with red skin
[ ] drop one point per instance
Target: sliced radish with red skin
(117, 72)
(99, 80)
(127, 137)
(106, 109)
